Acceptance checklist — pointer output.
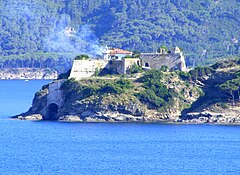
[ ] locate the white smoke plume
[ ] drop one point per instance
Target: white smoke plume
(58, 35)
(64, 39)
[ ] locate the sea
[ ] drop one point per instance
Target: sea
(48, 147)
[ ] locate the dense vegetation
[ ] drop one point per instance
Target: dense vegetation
(232, 85)
(156, 94)
(35, 30)
(82, 57)
(134, 69)
(76, 89)
(220, 83)
(154, 89)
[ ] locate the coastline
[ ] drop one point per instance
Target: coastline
(156, 122)
(151, 97)
(37, 117)
(28, 74)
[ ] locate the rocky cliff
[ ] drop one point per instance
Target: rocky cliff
(220, 102)
(94, 100)
(205, 95)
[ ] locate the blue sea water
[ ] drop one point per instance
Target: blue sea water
(28, 147)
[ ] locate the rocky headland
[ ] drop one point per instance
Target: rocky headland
(109, 99)
(198, 97)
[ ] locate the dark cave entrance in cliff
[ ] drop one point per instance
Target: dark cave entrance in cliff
(52, 111)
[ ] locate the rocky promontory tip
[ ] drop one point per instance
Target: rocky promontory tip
(204, 95)
(112, 99)
(33, 117)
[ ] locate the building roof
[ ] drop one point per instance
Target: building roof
(119, 51)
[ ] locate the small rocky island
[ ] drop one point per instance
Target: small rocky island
(202, 95)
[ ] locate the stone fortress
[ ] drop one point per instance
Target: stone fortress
(173, 59)
(120, 61)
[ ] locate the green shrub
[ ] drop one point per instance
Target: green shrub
(151, 75)
(97, 72)
(164, 69)
(124, 83)
(184, 75)
(156, 94)
(148, 96)
(199, 72)
(128, 56)
(111, 88)
(64, 75)
(134, 69)
(116, 87)
(164, 48)
(89, 91)
(82, 57)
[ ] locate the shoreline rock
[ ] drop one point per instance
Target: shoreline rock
(215, 119)
(34, 117)
(206, 117)
(66, 101)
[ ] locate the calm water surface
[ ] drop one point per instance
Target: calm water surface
(78, 148)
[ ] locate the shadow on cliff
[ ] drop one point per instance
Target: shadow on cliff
(212, 95)
(52, 112)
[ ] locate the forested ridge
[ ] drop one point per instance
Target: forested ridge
(31, 30)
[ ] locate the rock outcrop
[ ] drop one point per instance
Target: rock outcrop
(54, 102)
(192, 99)
(30, 117)
(213, 114)
(68, 101)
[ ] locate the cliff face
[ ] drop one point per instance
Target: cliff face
(79, 101)
(206, 95)
(220, 102)
(55, 102)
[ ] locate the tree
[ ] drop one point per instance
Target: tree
(230, 88)
(236, 82)
(27, 26)
(82, 57)
(156, 94)
(164, 68)
(163, 49)
(134, 69)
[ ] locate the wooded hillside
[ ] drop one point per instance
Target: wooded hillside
(204, 29)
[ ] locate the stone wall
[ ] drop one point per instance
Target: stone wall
(121, 66)
(86, 68)
(128, 62)
(117, 65)
(173, 60)
(55, 94)
(54, 101)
